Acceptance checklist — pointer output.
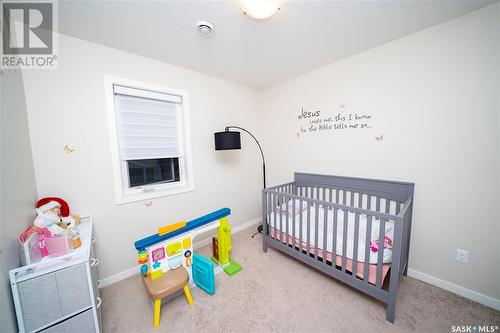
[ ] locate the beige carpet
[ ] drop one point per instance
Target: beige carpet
(275, 293)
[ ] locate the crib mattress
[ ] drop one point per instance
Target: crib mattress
(287, 210)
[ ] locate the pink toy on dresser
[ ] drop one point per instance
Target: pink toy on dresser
(58, 246)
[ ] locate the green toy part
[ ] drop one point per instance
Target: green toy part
(232, 268)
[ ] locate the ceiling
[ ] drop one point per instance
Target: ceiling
(302, 36)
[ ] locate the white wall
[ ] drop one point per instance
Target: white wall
(67, 106)
(434, 95)
(17, 184)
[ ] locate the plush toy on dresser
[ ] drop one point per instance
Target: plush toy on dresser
(54, 233)
(53, 214)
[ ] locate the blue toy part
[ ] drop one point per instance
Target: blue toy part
(144, 270)
(196, 223)
(203, 273)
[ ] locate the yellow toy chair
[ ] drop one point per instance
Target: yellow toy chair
(169, 283)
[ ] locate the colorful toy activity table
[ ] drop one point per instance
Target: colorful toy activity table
(172, 246)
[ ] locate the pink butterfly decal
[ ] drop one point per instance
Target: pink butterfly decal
(379, 138)
(148, 204)
(343, 105)
(298, 135)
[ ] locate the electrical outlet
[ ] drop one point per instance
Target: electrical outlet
(463, 256)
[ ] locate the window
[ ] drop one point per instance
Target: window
(149, 139)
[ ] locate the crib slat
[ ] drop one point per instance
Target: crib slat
(286, 221)
(325, 234)
(344, 239)
(344, 195)
(300, 224)
(367, 246)
(360, 200)
(308, 229)
(369, 202)
(316, 227)
(293, 223)
(387, 206)
(331, 195)
(352, 199)
(378, 204)
(398, 207)
(334, 238)
(355, 248)
(277, 231)
(274, 212)
(268, 213)
(324, 198)
(280, 203)
(380, 253)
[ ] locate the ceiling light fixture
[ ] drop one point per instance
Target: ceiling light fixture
(260, 9)
(205, 29)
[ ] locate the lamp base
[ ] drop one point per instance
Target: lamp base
(260, 229)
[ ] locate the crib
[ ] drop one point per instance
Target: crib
(353, 229)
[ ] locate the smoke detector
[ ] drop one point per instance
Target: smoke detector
(205, 29)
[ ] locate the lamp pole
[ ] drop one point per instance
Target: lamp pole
(260, 148)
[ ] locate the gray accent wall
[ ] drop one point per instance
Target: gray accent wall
(17, 183)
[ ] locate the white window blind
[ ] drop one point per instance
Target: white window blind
(149, 124)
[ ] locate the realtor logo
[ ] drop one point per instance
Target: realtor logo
(28, 34)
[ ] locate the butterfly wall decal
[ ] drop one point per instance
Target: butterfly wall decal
(68, 150)
(379, 138)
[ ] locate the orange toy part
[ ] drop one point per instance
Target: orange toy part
(172, 227)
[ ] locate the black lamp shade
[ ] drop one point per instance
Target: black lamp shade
(227, 140)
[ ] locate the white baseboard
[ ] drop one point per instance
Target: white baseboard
(118, 276)
(135, 270)
(456, 289)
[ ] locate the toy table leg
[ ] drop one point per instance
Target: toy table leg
(188, 294)
(157, 312)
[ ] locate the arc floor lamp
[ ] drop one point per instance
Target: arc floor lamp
(228, 140)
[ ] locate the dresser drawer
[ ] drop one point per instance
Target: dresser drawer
(48, 297)
(81, 323)
(72, 284)
(39, 301)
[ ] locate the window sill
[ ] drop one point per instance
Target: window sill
(129, 198)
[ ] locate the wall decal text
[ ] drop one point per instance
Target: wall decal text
(318, 121)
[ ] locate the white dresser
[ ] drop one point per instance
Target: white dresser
(60, 294)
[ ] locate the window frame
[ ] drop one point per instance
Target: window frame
(123, 192)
